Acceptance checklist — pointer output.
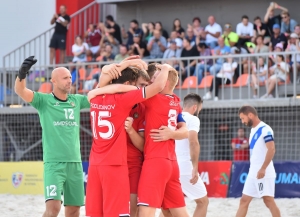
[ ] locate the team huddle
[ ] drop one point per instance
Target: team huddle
(145, 147)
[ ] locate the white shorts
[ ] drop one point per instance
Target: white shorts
(95, 49)
(195, 191)
(259, 187)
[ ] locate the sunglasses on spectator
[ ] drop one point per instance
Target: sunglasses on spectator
(227, 26)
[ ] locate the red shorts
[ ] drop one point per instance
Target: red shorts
(107, 191)
(134, 172)
(159, 184)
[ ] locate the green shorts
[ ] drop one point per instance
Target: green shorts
(64, 178)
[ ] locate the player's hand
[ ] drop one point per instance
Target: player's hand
(164, 133)
(113, 70)
(138, 63)
(133, 57)
(195, 176)
(128, 124)
(25, 67)
(261, 173)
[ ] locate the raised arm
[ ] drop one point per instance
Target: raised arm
(20, 83)
(137, 138)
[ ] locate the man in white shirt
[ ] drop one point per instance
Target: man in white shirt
(187, 152)
(213, 31)
(261, 177)
(244, 30)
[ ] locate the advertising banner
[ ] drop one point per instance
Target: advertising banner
(287, 183)
(21, 178)
(216, 176)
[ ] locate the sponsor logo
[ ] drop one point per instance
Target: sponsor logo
(56, 104)
(205, 177)
(17, 178)
(172, 103)
(102, 107)
(224, 180)
(72, 104)
(281, 178)
(255, 136)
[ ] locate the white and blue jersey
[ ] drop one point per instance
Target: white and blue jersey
(259, 136)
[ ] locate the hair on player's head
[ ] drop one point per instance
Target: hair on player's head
(192, 99)
(151, 69)
(173, 79)
(247, 109)
(143, 74)
(110, 18)
(129, 74)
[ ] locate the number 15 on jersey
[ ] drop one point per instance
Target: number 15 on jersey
(97, 120)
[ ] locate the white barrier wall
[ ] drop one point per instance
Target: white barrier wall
(22, 20)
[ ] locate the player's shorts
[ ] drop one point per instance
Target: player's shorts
(195, 191)
(259, 187)
(107, 192)
(134, 173)
(159, 184)
(58, 41)
(66, 178)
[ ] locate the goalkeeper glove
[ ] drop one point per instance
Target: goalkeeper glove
(25, 67)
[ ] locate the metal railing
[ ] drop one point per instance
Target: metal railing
(238, 91)
(38, 46)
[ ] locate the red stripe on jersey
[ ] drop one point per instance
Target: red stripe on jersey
(162, 110)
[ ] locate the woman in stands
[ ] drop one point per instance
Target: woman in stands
(159, 27)
(203, 65)
(278, 73)
(79, 50)
(148, 29)
(177, 27)
(259, 74)
(223, 77)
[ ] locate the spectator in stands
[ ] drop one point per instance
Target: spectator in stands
(157, 45)
(222, 49)
(244, 31)
(123, 53)
(187, 67)
(240, 146)
(110, 39)
(58, 40)
(277, 37)
(171, 54)
(148, 29)
(203, 64)
(212, 31)
(260, 47)
(108, 55)
(178, 40)
(230, 37)
(197, 28)
(278, 73)
(190, 36)
(297, 30)
(113, 28)
(79, 50)
(139, 47)
(172, 51)
(259, 74)
(287, 25)
(133, 29)
(178, 28)
(260, 29)
(158, 26)
(294, 45)
(223, 77)
(93, 36)
(271, 19)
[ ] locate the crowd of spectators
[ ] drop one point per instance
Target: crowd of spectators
(275, 33)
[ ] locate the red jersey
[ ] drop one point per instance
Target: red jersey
(162, 110)
(138, 115)
(240, 154)
(94, 38)
(108, 115)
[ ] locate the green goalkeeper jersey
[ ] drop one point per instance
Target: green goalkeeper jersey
(60, 122)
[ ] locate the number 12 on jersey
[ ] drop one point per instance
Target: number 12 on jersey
(98, 121)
